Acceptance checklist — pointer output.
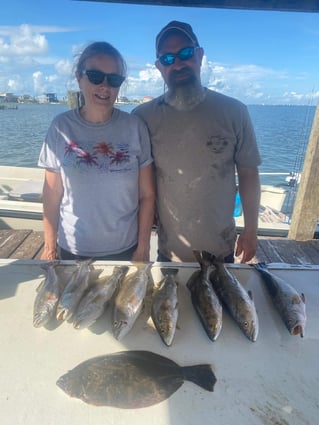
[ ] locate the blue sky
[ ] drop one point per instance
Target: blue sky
(255, 56)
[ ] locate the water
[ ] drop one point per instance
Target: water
(282, 134)
(22, 132)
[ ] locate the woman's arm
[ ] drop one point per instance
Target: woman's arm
(52, 195)
(146, 213)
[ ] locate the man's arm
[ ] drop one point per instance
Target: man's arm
(249, 190)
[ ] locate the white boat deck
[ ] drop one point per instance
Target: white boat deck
(272, 381)
(20, 198)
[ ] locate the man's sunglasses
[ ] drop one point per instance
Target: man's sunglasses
(184, 55)
(97, 77)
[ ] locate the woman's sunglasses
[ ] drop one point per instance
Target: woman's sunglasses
(97, 77)
(184, 55)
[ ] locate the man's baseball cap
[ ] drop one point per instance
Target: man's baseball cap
(176, 26)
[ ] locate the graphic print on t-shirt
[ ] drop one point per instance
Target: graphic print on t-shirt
(101, 155)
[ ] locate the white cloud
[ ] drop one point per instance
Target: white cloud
(249, 83)
(63, 67)
(13, 86)
(292, 97)
(27, 68)
(23, 41)
(147, 82)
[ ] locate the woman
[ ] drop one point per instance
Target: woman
(98, 193)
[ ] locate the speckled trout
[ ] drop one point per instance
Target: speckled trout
(289, 304)
(129, 299)
(74, 290)
(204, 298)
(164, 309)
(95, 299)
(48, 294)
(132, 379)
(237, 300)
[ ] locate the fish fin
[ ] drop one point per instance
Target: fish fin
(198, 255)
(201, 375)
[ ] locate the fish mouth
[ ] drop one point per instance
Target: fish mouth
(120, 329)
(37, 322)
(297, 329)
(252, 336)
(62, 314)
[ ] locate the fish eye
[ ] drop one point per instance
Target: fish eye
(246, 324)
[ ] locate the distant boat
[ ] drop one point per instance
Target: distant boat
(2, 107)
(21, 198)
(293, 179)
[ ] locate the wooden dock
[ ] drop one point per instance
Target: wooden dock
(21, 244)
(28, 244)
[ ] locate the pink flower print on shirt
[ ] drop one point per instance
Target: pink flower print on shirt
(86, 158)
(103, 148)
(72, 147)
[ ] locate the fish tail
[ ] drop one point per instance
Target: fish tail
(169, 271)
(50, 263)
(204, 258)
(86, 261)
(208, 257)
(260, 266)
(198, 255)
(201, 375)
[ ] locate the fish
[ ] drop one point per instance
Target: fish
(290, 305)
(94, 301)
(237, 300)
(204, 299)
(74, 290)
(132, 379)
(164, 310)
(47, 297)
(129, 299)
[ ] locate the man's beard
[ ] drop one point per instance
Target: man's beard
(185, 90)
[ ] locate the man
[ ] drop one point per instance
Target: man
(200, 138)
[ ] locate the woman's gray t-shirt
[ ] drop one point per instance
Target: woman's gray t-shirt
(99, 166)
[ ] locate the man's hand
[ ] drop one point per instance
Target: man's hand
(246, 246)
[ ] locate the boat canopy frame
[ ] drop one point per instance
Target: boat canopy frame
(308, 6)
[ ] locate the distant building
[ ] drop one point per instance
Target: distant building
(25, 98)
(47, 98)
(8, 97)
(122, 99)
